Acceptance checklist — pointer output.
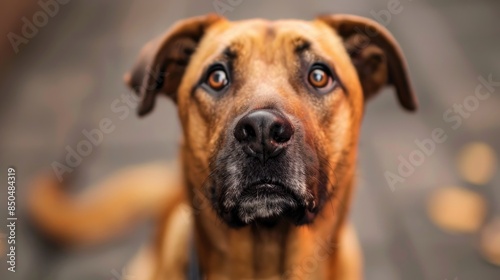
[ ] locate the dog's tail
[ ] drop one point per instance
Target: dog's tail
(104, 210)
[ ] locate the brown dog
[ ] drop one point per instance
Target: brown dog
(271, 113)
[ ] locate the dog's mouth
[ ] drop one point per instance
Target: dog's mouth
(266, 203)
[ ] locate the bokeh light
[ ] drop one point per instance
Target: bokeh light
(456, 209)
(477, 163)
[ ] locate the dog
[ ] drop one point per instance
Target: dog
(270, 114)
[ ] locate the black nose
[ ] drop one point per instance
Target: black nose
(263, 133)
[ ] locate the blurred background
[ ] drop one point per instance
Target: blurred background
(440, 217)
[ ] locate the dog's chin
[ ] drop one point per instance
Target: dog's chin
(267, 205)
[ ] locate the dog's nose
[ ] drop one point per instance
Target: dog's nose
(264, 133)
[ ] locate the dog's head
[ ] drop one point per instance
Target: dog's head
(270, 110)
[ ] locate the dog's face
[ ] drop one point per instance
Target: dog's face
(270, 110)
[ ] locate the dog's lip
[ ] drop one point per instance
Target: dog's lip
(280, 189)
(267, 183)
(266, 187)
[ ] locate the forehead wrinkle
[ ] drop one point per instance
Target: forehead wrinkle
(268, 46)
(288, 48)
(274, 48)
(274, 60)
(256, 41)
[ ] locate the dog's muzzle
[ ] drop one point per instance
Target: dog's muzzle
(260, 172)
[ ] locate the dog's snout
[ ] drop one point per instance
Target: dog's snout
(263, 133)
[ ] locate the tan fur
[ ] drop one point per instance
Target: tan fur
(327, 248)
(105, 209)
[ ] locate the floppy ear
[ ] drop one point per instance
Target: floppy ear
(376, 55)
(162, 62)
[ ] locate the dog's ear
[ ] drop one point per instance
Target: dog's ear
(376, 55)
(162, 62)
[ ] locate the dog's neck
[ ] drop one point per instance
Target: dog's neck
(265, 253)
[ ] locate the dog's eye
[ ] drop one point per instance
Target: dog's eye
(319, 78)
(217, 79)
